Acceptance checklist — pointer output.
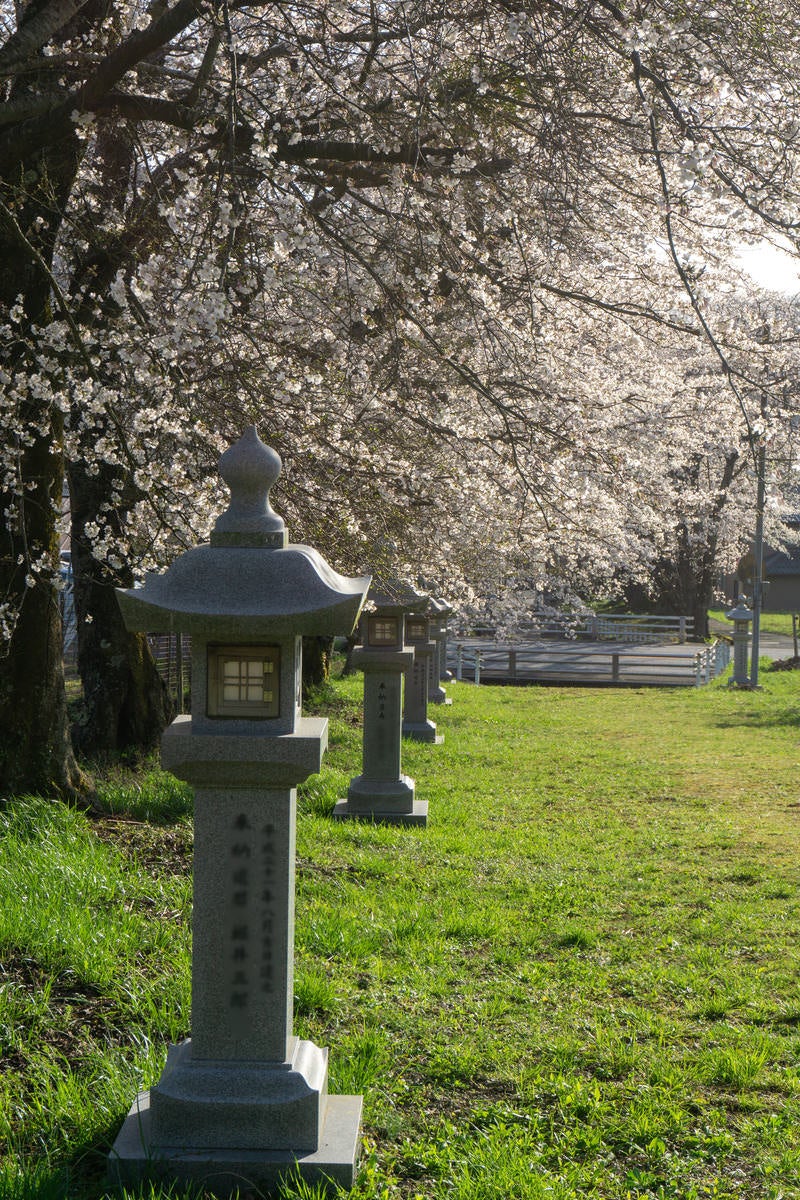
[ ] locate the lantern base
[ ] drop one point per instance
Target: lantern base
(422, 731)
(250, 1105)
(224, 1171)
(389, 802)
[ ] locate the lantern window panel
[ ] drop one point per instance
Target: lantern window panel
(417, 631)
(383, 631)
(244, 681)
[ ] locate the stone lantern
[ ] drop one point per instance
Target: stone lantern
(438, 612)
(243, 1101)
(381, 792)
(416, 724)
(741, 616)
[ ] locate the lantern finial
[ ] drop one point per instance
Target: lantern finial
(250, 470)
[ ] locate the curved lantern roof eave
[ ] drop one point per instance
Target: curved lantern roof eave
(394, 597)
(740, 613)
(212, 591)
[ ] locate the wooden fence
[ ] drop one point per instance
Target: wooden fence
(591, 665)
(173, 655)
(619, 627)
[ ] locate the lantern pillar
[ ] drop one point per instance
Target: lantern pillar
(741, 617)
(382, 793)
(416, 723)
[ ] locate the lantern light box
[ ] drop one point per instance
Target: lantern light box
(243, 681)
(384, 631)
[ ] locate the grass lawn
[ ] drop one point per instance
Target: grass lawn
(580, 981)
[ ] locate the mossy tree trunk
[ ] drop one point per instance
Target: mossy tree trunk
(317, 655)
(35, 750)
(126, 704)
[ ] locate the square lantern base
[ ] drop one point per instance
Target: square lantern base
(422, 731)
(225, 1170)
(384, 801)
(417, 814)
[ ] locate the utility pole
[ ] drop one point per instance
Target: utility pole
(758, 558)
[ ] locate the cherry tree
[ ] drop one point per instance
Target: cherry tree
(448, 257)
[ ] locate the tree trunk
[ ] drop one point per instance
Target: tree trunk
(352, 642)
(35, 750)
(317, 653)
(126, 702)
(684, 584)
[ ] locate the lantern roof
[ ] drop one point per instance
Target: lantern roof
(249, 581)
(394, 596)
(740, 613)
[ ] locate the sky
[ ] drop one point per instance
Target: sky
(771, 267)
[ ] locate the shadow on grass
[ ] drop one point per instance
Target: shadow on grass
(776, 719)
(81, 1177)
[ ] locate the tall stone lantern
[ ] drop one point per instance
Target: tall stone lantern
(438, 613)
(244, 1101)
(416, 723)
(741, 616)
(382, 793)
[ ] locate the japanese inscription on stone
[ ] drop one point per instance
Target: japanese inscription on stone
(252, 882)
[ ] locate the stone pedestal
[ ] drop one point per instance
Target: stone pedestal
(243, 1092)
(224, 1172)
(436, 693)
(416, 723)
(381, 792)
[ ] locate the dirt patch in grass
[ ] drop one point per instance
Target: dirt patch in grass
(785, 664)
(155, 849)
(78, 1013)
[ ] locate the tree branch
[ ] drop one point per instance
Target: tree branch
(137, 47)
(36, 32)
(412, 155)
(148, 108)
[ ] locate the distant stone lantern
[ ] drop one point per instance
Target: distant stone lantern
(381, 792)
(438, 612)
(244, 1101)
(416, 724)
(741, 616)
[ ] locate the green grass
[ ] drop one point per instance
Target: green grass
(580, 981)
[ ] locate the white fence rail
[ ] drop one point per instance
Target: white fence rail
(619, 627)
(592, 665)
(627, 628)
